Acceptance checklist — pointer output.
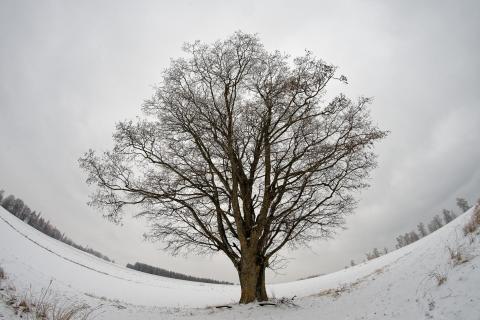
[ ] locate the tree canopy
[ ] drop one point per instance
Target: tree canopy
(238, 152)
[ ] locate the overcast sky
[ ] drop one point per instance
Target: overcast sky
(69, 70)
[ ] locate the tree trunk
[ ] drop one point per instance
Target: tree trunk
(252, 279)
(261, 290)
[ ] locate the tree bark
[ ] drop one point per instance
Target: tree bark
(252, 279)
(261, 291)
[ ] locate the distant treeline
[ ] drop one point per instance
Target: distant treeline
(170, 274)
(19, 209)
(435, 223)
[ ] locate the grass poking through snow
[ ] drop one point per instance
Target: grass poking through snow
(44, 306)
(474, 223)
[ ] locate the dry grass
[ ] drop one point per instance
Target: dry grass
(52, 310)
(439, 277)
(45, 306)
(347, 287)
(474, 223)
(23, 306)
(458, 256)
(71, 312)
(334, 292)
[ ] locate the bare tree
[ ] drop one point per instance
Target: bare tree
(448, 215)
(422, 230)
(373, 255)
(411, 237)
(435, 224)
(463, 204)
(400, 242)
(8, 203)
(238, 153)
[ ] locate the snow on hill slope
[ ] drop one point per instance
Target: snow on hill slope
(403, 284)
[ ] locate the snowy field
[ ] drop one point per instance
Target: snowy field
(403, 284)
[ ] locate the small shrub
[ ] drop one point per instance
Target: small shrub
(458, 256)
(441, 280)
(439, 277)
(23, 306)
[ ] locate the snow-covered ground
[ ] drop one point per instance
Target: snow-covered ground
(400, 285)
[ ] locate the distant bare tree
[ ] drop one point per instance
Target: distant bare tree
(435, 223)
(448, 215)
(374, 254)
(238, 153)
(400, 242)
(463, 204)
(8, 203)
(18, 206)
(422, 230)
(412, 236)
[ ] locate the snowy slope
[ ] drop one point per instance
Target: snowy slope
(399, 285)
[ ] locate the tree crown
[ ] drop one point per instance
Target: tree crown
(237, 150)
